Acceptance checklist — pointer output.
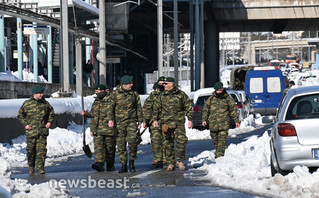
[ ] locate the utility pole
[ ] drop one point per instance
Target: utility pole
(175, 42)
(160, 37)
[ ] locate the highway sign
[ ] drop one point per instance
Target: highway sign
(36, 30)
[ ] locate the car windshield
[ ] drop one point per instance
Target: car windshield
(304, 107)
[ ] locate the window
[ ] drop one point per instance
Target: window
(304, 107)
(256, 85)
(234, 97)
(273, 85)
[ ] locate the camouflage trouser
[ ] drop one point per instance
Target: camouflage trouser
(181, 140)
(219, 139)
(157, 143)
(104, 148)
(36, 151)
(127, 134)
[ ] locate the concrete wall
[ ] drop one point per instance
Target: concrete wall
(12, 128)
(12, 89)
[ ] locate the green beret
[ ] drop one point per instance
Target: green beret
(218, 85)
(162, 78)
(155, 85)
(100, 87)
(107, 86)
(126, 79)
(170, 79)
(38, 89)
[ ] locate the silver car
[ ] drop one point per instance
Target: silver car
(200, 98)
(295, 136)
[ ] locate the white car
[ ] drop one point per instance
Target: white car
(200, 98)
(294, 136)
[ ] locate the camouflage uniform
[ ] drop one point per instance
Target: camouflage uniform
(36, 114)
(170, 109)
(126, 111)
(218, 110)
(156, 133)
(104, 136)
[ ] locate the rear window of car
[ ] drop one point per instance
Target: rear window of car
(303, 107)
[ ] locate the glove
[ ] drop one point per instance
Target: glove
(147, 122)
(165, 129)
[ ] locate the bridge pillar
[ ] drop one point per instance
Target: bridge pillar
(2, 45)
(20, 48)
(211, 52)
(71, 59)
(35, 54)
(50, 55)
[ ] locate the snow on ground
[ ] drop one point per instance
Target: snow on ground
(244, 167)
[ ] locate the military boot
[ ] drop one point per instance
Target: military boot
(123, 169)
(159, 164)
(41, 171)
(132, 166)
(110, 167)
(98, 166)
(180, 165)
(31, 170)
(154, 162)
(170, 167)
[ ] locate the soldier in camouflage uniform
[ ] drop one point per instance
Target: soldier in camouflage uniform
(126, 116)
(174, 105)
(156, 133)
(218, 109)
(36, 115)
(103, 135)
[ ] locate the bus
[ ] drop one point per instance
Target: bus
(291, 59)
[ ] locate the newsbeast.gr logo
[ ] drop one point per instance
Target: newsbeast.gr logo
(89, 182)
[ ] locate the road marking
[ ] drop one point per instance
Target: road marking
(142, 175)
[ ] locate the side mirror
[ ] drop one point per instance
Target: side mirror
(268, 119)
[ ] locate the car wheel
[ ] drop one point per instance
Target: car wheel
(275, 170)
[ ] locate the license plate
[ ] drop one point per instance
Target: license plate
(316, 154)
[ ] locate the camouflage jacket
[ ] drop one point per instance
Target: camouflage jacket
(125, 105)
(149, 105)
(98, 115)
(219, 110)
(172, 106)
(36, 114)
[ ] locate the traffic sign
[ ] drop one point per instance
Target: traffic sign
(36, 30)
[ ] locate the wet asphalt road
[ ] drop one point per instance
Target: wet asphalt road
(145, 182)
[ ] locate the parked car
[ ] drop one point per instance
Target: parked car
(294, 135)
(248, 107)
(200, 98)
(275, 63)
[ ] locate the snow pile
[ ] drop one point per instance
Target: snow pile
(246, 167)
(21, 188)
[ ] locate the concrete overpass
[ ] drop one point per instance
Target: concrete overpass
(218, 16)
